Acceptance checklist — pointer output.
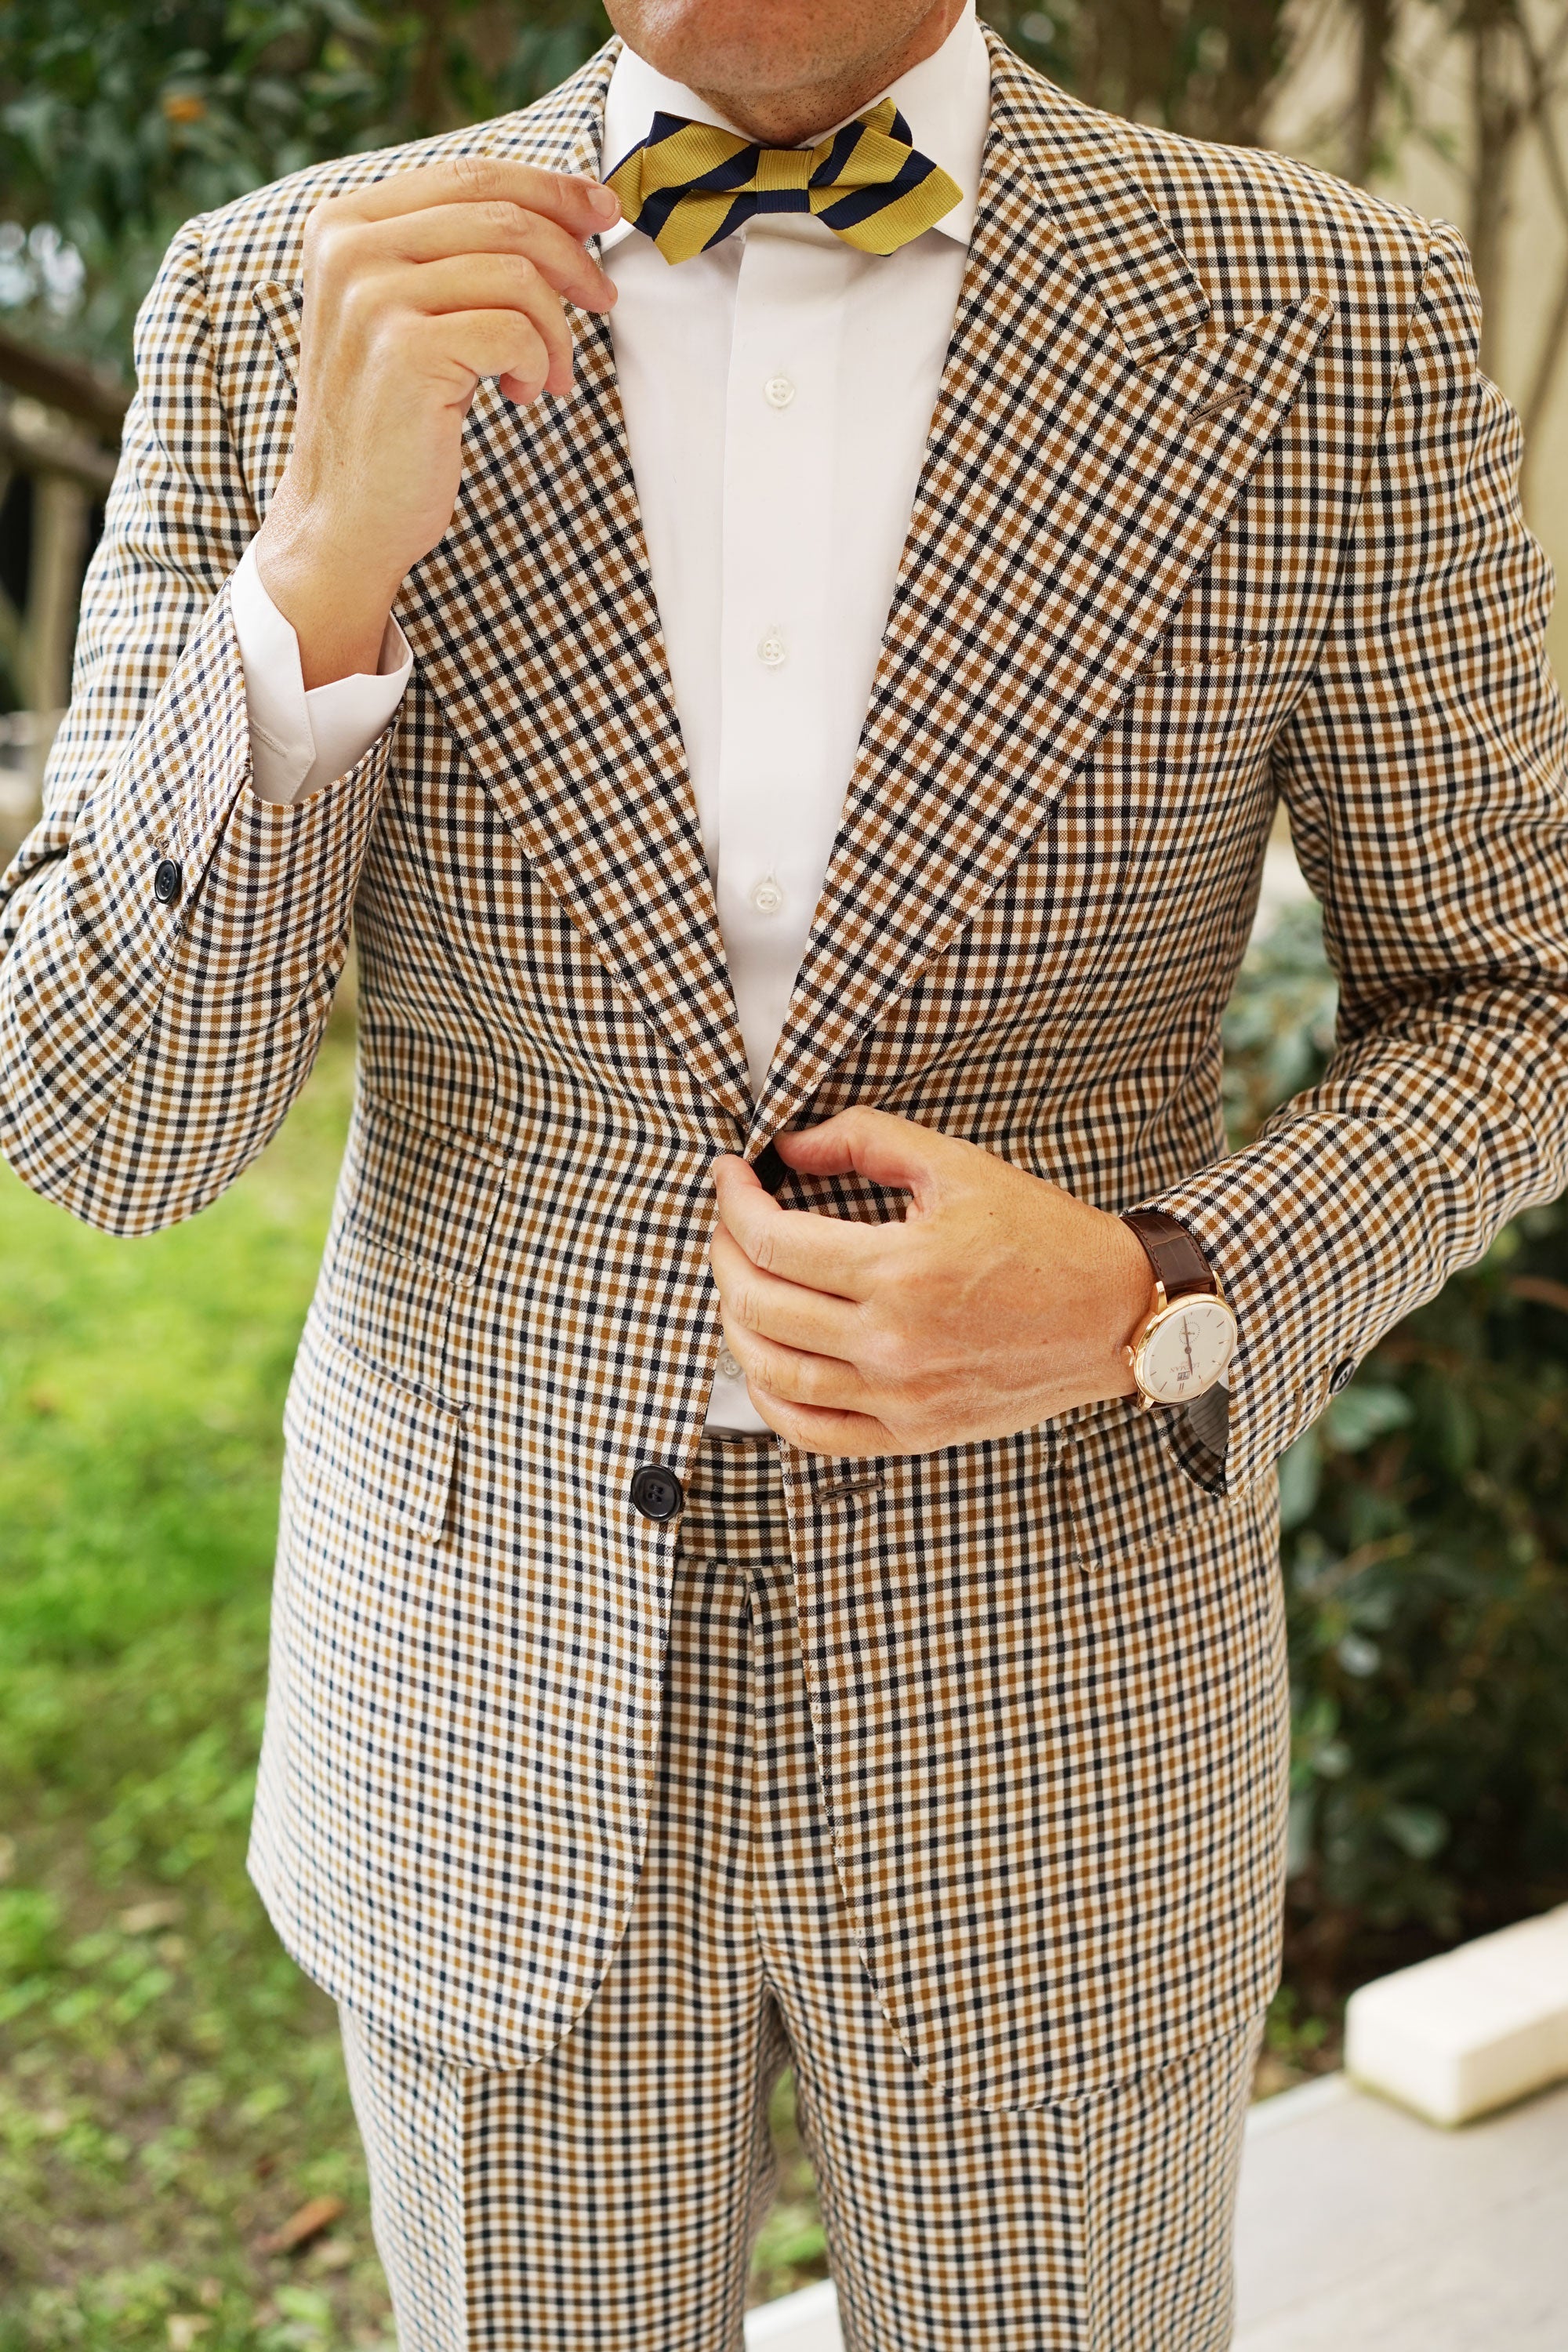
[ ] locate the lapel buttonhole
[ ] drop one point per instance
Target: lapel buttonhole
(279, 309)
(1217, 407)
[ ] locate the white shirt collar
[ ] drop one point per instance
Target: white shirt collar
(945, 99)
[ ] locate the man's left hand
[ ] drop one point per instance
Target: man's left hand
(998, 1301)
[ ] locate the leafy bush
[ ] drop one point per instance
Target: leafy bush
(1425, 1556)
(121, 117)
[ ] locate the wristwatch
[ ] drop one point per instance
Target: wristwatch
(1184, 1344)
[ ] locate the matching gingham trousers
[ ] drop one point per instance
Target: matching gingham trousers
(604, 2200)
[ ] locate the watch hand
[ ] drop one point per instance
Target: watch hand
(1187, 1341)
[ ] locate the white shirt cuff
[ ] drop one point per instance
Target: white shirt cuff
(299, 741)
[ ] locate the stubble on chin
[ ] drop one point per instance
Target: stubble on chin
(784, 69)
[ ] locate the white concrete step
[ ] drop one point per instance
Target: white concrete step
(1471, 2030)
(806, 2322)
(1363, 2230)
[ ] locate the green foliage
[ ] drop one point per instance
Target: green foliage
(1280, 1024)
(792, 2245)
(1205, 66)
(1426, 1555)
(121, 117)
(172, 2087)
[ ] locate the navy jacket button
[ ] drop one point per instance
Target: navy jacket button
(167, 882)
(1341, 1377)
(770, 1168)
(657, 1492)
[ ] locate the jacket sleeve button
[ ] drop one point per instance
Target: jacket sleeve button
(657, 1492)
(167, 882)
(1341, 1376)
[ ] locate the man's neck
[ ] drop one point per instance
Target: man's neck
(787, 118)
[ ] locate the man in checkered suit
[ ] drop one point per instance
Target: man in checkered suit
(850, 1637)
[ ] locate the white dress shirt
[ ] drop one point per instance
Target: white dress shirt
(777, 391)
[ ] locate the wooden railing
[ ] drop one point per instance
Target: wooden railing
(60, 427)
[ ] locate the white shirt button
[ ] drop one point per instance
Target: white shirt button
(766, 895)
(772, 650)
(729, 1365)
(778, 392)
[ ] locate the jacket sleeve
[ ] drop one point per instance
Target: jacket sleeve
(150, 1045)
(1423, 771)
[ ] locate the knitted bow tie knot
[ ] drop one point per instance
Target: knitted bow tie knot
(689, 185)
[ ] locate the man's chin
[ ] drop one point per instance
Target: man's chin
(762, 51)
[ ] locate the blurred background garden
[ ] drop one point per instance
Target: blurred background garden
(177, 2161)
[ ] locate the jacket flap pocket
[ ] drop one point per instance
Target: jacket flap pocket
(367, 1445)
(1125, 1486)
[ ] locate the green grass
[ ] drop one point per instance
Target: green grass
(172, 2089)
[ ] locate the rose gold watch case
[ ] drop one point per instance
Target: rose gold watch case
(1163, 1311)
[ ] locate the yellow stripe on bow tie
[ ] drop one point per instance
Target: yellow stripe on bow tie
(689, 184)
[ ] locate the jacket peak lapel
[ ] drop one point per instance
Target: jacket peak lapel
(1085, 453)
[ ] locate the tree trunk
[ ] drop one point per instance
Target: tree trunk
(59, 541)
(1495, 116)
(1374, 28)
(430, 97)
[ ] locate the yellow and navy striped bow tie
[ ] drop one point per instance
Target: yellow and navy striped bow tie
(690, 186)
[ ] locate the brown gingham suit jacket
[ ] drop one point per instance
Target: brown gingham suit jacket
(1217, 506)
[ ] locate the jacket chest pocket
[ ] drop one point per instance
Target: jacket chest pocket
(1143, 870)
(1183, 769)
(1157, 843)
(410, 1242)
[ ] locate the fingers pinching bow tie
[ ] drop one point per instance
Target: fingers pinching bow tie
(690, 186)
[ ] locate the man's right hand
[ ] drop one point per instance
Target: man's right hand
(416, 287)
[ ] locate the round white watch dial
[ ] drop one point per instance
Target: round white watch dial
(1187, 1350)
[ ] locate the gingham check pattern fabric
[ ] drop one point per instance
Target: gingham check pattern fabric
(689, 185)
(607, 2196)
(1217, 506)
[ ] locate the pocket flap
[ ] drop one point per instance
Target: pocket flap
(383, 1449)
(1126, 1491)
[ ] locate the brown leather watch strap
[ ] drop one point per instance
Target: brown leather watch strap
(1177, 1259)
